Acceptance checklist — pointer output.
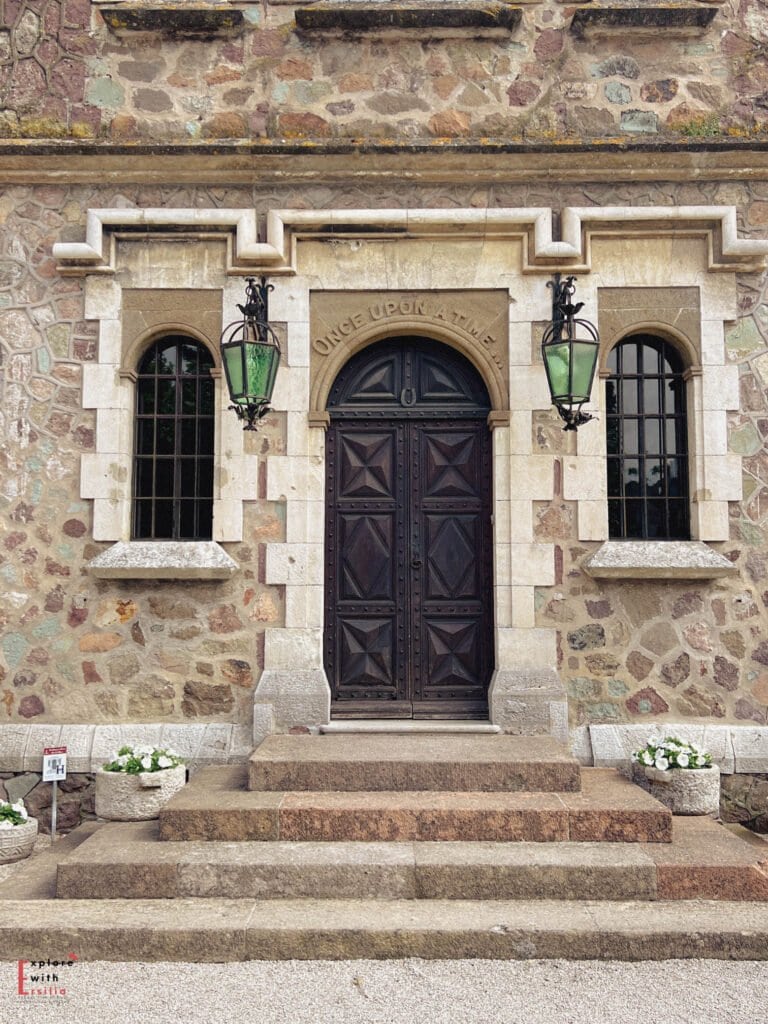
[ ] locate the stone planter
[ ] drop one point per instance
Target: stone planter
(17, 842)
(686, 790)
(124, 797)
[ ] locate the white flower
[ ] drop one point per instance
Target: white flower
(647, 758)
(682, 760)
(661, 763)
(164, 762)
(146, 763)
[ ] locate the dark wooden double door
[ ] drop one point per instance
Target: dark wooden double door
(408, 630)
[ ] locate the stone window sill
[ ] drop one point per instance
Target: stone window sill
(479, 16)
(665, 559)
(622, 16)
(163, 560)
(193, 18)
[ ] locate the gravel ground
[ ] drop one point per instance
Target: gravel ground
(398, 992)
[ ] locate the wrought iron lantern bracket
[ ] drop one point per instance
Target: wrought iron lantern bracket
(250, 352)
(569, 350)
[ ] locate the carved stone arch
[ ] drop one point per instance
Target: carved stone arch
(489, 357)
(134, 348)
(666, 332)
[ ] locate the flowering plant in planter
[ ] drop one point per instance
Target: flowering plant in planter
(138, 782)
(135, 760)
(12, 815)
(671, 752)
(18, 831)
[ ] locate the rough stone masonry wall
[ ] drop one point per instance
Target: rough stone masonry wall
(64, 75)
(74, 649)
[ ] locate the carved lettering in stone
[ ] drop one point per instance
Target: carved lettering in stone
(430, 309)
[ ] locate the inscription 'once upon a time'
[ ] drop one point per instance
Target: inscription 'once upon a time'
(430, 309)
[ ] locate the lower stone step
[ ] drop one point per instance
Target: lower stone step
(218, 930)
(704, 861)
(608, 808)
(399, 761)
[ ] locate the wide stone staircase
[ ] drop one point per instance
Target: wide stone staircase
(388, 845)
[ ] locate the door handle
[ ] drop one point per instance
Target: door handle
(416, 563)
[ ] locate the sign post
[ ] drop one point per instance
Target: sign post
(54, 770)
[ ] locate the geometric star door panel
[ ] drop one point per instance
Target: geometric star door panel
(408, 625)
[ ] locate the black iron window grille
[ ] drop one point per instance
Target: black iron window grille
(647, 441)
(174, 434)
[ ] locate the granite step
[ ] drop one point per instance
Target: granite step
(402, 761)
(222, 930)
(608, 808)
(703, 861)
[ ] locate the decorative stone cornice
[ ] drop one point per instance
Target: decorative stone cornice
(543, 252)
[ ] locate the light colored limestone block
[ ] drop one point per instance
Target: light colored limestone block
(528, 388)
(714, 427)
(111, 520)
(101, 386)
(227, 520)
(523, 607)
(750, 748)
(108, 739)
(584, 478)
(520, 344)
(290, 299)
(520, 519)
(720, 388)
(103, 298)
(304, 522)
(304, 606)
(78, 739)
(110, 341)
(710, 520)
(299, 649)
(294, 477)
(13, 743)
(295, 696)
(613, 745)
(592, 520)
(712, 343)
(39, 737)
(526, 648)
(184, 739)
(291, 389)
(532, 565)
(520, 433)
(298, 564)
(532, 476)
(297, 343)
(722, 478)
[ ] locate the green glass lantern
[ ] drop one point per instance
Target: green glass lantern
(569, 349)
(250, 352)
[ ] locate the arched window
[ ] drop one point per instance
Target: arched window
(647, 443)
(173, 450)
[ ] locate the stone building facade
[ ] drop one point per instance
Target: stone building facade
(411, 171)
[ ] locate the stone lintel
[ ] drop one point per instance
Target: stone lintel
(665, 559)
(622, 16)
(191, 18)
(382, 15)
(163, 560)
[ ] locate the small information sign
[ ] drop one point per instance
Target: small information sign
(54, 764)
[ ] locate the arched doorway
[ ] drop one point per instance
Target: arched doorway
(408, 575)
